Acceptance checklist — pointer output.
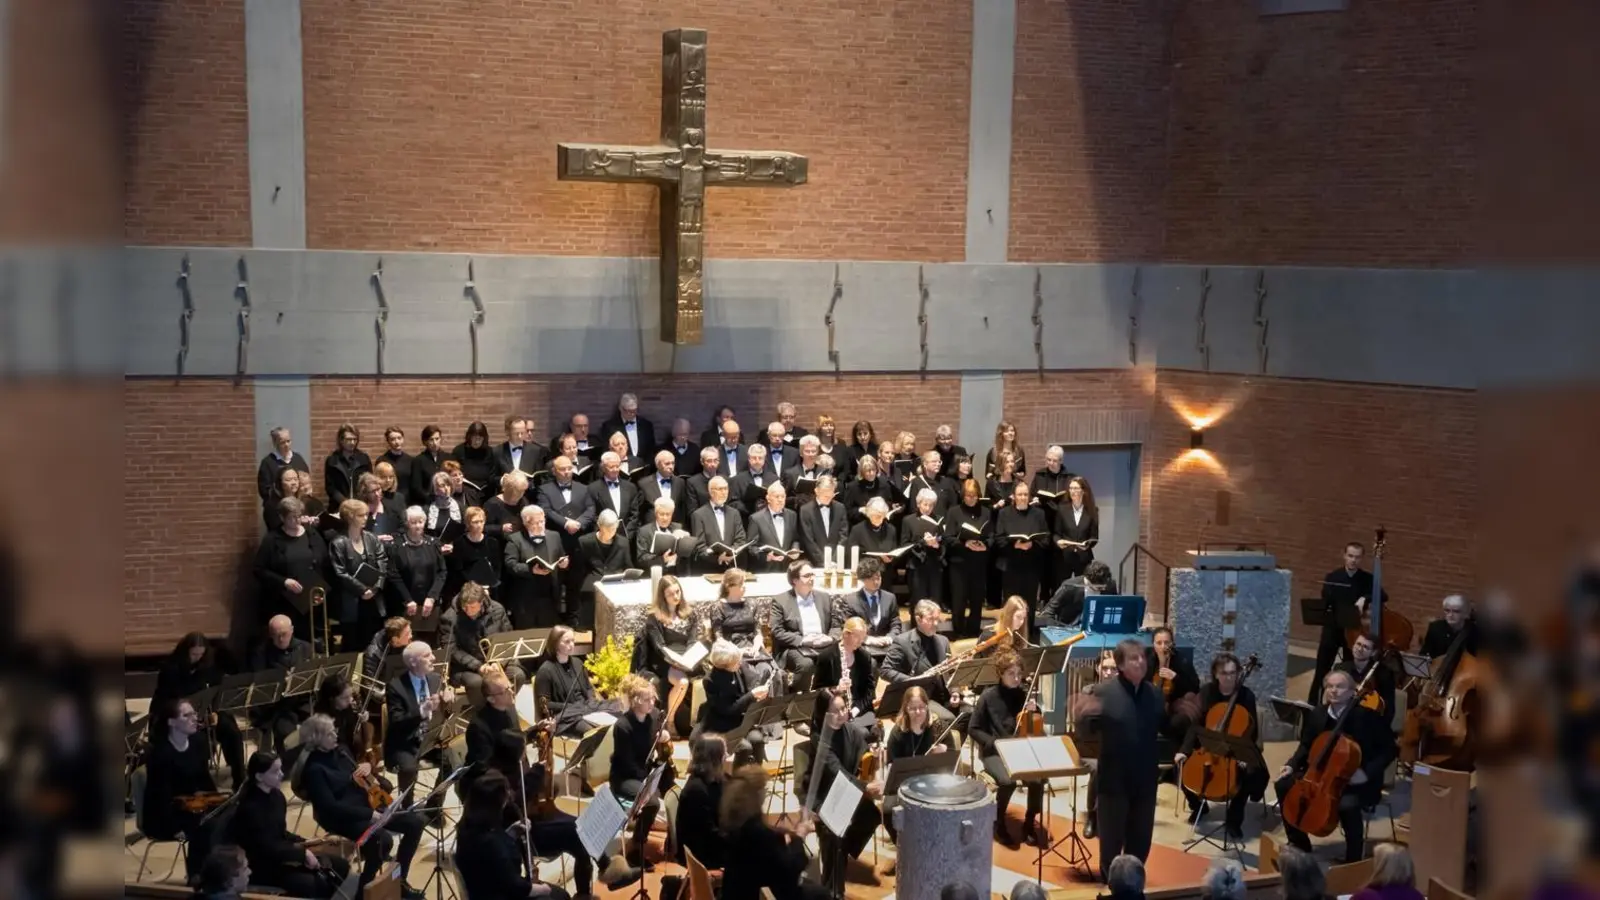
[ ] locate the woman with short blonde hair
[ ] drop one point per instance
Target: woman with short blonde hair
(1394, 877)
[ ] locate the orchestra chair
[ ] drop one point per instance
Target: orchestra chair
(386, 886)
(1348, 878)
(141, 778)
(699, 880)
(1438, 890)
(1267, 855)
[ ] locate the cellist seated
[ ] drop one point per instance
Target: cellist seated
(1365, 788)
(1252, 783)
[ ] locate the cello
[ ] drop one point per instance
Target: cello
(1438, 730)
(1388, 628)
(1206, 775)
(1312, 803)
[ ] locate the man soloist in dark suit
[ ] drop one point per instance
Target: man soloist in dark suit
(414, 697)
(1129, 710)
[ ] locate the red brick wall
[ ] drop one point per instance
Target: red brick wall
(1338, 139)
(190, 513)
(187, 144)
(1088, 141)
(433, 126)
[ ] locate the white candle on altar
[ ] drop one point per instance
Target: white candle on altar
(855, 558)
(827, 559)
(838, 556)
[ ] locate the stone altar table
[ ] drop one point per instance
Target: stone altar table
(1241, 611)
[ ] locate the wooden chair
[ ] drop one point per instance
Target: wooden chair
(1350, 877)
(1438, 890)
(1267, 855)
(699, 882)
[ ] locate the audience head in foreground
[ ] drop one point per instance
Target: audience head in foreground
(1125, 878)
(1302, 875)
(1224, 880)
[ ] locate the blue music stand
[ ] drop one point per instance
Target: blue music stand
(1107, 619)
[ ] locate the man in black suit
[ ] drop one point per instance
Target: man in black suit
(281, 652)
(787, 415)
(874, 606)
(414, 697)
(639, 431)
(716, 523)
(1129, 710)
(781, 455)
(1377, 744)
(663, 482)
(569, 511)
(823, 521)
(914, 652)
(697, 487)
(749, 487)
(612, 491)
(1343, 588)
(800, 477)
(684, 451)
(531, 591)
(774, 525)
(944, 441)
(1065, 606)
(518, 453)
(803, 624)
(730, 449)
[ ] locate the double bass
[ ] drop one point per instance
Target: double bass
(1205, 774)
(1388, 628)
(1439, 731)
(1312, 804)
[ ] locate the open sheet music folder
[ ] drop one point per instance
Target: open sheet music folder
(1039, 757)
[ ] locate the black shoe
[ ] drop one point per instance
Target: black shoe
(1002, 833)
(1090, 832)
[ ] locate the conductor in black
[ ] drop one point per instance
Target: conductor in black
(1130, 711)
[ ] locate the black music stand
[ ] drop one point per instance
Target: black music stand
(308, 678)
(241, 692)
(1290, 712)
(1314, 611)
(973, 675)
(587, 745)
(1230, 748)
(894, 696)
(511, 646)
(911, 766)
(434, 803)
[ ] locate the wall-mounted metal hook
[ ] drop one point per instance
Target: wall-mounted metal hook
(1262, 323)
(1135, 310)
(922, 317)
(1038, 319)
(833, 303)
(241, 292)
(478, 312)
(185, 316)
(1200, 321)
(381, 323)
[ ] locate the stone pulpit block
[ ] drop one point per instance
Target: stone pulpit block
(1241, 611)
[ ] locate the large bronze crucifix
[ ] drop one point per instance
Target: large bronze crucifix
(682, 168)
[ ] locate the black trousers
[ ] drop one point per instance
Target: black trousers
(1005, 788)
(1351, 822)
(969, 577)
(629, 790)
(802, 664)
(405, 764)
(406, 827)
(227, 735)
(306, 883)
(280, 723)
(559, 834)
(1126, 822)
(1330, 647)
(837, 849)
(1252, 786)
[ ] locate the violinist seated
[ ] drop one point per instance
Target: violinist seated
(1065, 606)
(281, 651)
(916, 733)
(1010, 630)
(841, 749)
(178, 768)
(472, 617)
(278, 857)
(1175, 678)
(1362, 658)
(874, 606)
(336, 699)
(561, 687)
(493, 862)
(1086, 722)
(1224, 684)
(1370, 733)
(917, 651)
(758, 855)
(847, 672)
(1441, 633)
(635, 739)
(700, 801)
(731, 688)
(415, 698)
(993, 719)
(342, 806)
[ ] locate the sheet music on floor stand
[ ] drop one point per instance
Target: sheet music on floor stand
(922, 764)
(1290, 712)
(974, 675)
(757, 715)
(839, 807)
(601, 821)
(586, 748)
(510, 646)
(238, 693)
(1415, 665)
(307, 679)
(1033, 758)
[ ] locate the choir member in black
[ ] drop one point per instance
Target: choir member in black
(1362, 659)
(793, 433)
(1049, 490)
(389, 483)
(561, 686)
(472, 617)
(669, 631)
(394, 439)
(873, 605)
(478, 469)
(630, 465)
(968, 526)
(734, 620)
(649, 552)
(1012, 623)
(863, 443)
(924, 562)
(1343, 588)
(503, 511)
(1021, 540)
(759, 855)
(1001, 482)
(382, 660)
(296, 484)
(800, 479)
(916, 733)
(288, 564)
(779, 456)
(894, 469)
(519, 452)
(928, 476)
(697, 487)
(684, 451)
(419, 569)
(1077, 523)
(178, 766)
(491, 858)
(531, 590)
(828, 437)
(1129, 710)
(278, 857)
(663, 482)
(915, 652)
(774, 525)
(283, 456)
(747, 490)
(639, 431)
(385, 517)
(718, 522)
(1175, 680)
(1376, 740)
(840, 749)
(414, 698)
(875, 534)
(474, 555)
(700, 800)
(344, 466)
(588, 449)
(802, 623)
(224, 873)
(613, 490)
(730, 450)
(1005, 441)
(1066, 605)
(605, 552)
(823, 520)
(427, 464)
(281, 651)
(442, 505)
(360, 563)
(869, 484)
(1086, 723)
(1443, 632)
(633, 756)
(190, 668)
(847, 671)
(570, 510)
(944, 443)
(1225, 672)
(731, 687)
(995, 718)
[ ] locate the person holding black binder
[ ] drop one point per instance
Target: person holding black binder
(360, 564)
(1224, 684)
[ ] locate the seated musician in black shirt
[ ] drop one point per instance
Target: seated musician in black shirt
(178, 767)
(278, 857)
(190, 669)
(731, 688)
(916, 733)
(1362, 659)
(281, 651)
(847, 671)
(561, 687)
(415, 698)
(633, 750)
(915, 652)
(840, 753)
(1378, 749)
(492, 860)
(759, 855)
(995, 718)
(1177, 681)
(471, 618)
(341, 807)
(336, 699)
(381, 660)
(1066, 605)
(1458, 621)
(700, 800)
(1224, 683)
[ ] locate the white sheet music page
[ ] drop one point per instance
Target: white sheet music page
(600, 719)
(1053, 754)
(695, 652)
(1017, 755)
(840, 805)
(600, 821)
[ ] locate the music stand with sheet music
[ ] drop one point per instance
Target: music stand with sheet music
(922, 764)
(1415, 665)
(587, 745)
(894, 696)
(1228, 748)
(308, 678)
(1042, 759)
(1315, 613)
(973, 675)
(1290, 712)
(239, 693)
(512, 646)
(1047, 660)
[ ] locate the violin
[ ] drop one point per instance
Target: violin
(1312, 803)
(201, 802)
(871, 763)
(379, 794)
(1207, 775)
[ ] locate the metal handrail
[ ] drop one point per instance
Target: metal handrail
(1134, 553)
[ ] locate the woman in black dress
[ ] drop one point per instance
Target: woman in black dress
(734, 620)
(278, 857)
(418, 585)
(968, 526)
(476, 556)
(1021, 539)
(190, 668)
(668, 633)
(478, 467)
(289, 563)
(867, 484)
(924, 562)
(700, 800)
(731, 688)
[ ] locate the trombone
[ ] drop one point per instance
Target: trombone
(319, 598)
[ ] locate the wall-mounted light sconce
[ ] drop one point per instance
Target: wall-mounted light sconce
(1197, 438)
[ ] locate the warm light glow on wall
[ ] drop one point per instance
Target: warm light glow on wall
(1200, 419)
(1197, 460)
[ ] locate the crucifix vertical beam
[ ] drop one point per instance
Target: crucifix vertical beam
(681, 168)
